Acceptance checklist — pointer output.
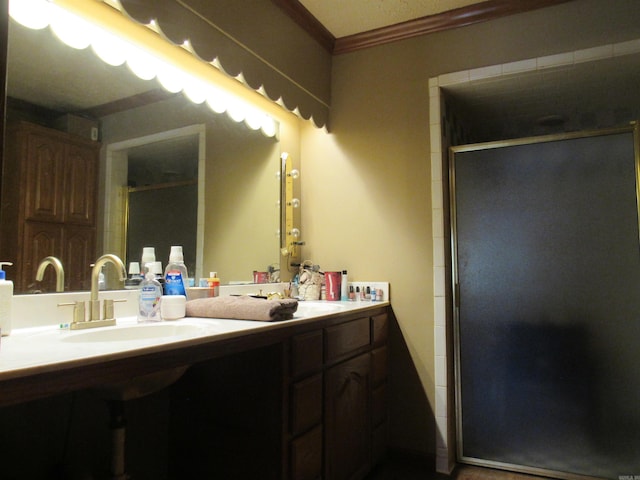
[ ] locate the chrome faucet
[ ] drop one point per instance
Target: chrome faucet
(57, 266)
(94, 302)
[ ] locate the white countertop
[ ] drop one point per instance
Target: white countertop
(41, 349)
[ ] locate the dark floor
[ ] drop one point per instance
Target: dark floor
(411, 469)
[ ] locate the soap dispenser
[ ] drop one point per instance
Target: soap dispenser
(6, 299)
(150, 295)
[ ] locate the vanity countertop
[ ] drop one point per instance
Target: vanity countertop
(44, 360)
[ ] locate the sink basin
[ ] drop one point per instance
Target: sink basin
(310, 308)
(130, 333)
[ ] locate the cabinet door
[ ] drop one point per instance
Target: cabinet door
(79, 254)
(80, 184)
(44, 165)
(41, 239)
(347, 419)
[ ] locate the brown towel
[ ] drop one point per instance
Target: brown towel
(242, 308)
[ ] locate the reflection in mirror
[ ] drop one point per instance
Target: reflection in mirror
(159, 171)
(237, 191)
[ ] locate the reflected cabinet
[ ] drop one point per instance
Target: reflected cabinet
(49, 204)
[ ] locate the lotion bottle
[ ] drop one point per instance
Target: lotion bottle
(344, 291)
(175, 274)
(6, 299)
(150, 295)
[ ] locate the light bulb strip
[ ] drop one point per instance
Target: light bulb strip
(149, 54)
(292, 234)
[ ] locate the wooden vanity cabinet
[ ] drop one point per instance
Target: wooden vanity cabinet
(49, 194)
(337, 395)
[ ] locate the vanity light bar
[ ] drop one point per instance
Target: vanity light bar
(292, 234)
(117, 39)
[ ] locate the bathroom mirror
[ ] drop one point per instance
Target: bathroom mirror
(238, 215)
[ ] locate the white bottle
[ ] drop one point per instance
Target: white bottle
(6, 299)
(149, 302)
(175, 274)
(344, 291)
(148, 256)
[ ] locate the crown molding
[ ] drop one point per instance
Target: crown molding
(309, 23)
(459, 17)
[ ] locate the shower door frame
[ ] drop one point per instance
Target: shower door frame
(634, 129)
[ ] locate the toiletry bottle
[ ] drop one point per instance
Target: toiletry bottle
(156, 269)
(352, 294)
(344, 296)
(149, 302)
(6, 298)
(102, 281)
(175, 275)
(148, 256)
(134, 276)
(214, 282)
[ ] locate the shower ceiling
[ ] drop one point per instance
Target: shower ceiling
(596, 94)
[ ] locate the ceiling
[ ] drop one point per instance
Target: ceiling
(343, 18)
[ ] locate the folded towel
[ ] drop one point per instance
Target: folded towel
(242, 308)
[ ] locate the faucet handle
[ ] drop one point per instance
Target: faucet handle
(107, 307)
(78, 310)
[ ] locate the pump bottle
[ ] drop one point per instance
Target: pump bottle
(175, 274)
(6, 299)
(150, 295)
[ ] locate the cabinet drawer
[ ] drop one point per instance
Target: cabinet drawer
(380, 328)
(306, 456)
(379, 365)
(306, 404)
(306, 353)
(341, 340)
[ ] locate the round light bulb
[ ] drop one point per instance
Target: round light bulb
(269, 126)
(33, 14)
(196, 90)
(71, 29)
(217, 100)
(111, 49)
(142, 64)
(170, 77)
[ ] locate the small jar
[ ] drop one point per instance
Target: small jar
(173, 307)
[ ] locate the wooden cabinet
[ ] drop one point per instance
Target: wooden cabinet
(337, 399)
(49, 192)
(347, 419)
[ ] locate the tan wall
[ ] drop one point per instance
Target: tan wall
(366, 195)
